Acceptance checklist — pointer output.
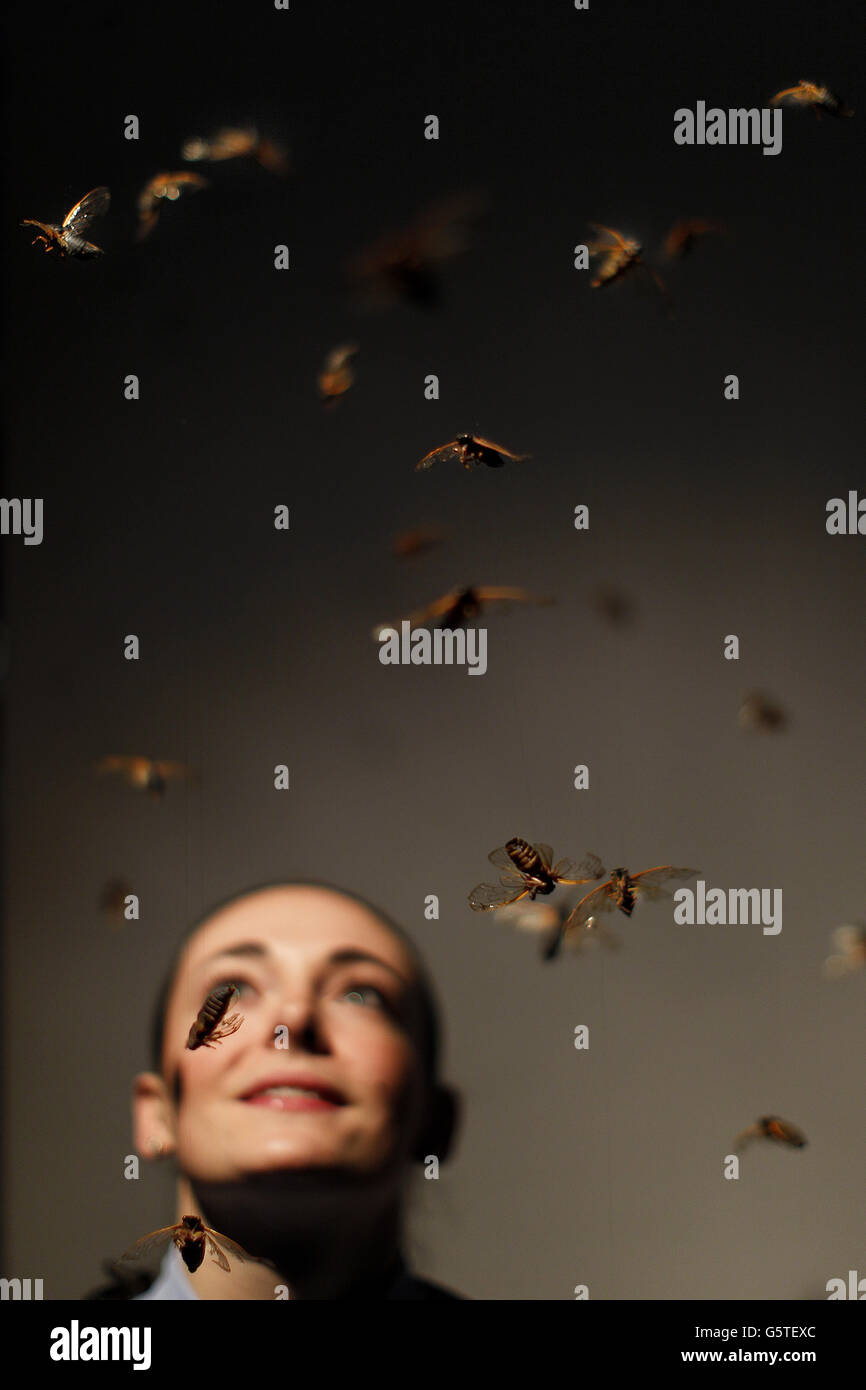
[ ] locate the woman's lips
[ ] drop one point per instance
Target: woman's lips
(300, 1094)
(293, 1102)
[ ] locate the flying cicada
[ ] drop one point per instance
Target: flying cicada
(529, 871)
(68, 238)
(336, 375)
(236, 142)
(211, 1024)
(471, 451)
(143, 774)
(193, 1239)
(814, 97)
(772, 1128)
(621, 890)
(620, 256)
(459, 606)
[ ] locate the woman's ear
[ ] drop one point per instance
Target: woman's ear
(438, 1132)
(152, 1116)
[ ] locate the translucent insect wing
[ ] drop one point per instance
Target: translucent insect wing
(93, 204)
(230, 1245)
(156, 1240)
(595, 902)
(486, 896)
(444, 454)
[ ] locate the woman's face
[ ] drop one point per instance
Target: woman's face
(348, 1092)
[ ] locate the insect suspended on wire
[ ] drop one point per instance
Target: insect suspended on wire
(813, 96)
(529, 871)
(193, 1239)
(336, 375)
(236, 142)
(163, 188)
(772, 1128)
(621, 891)
(471, 451)
(68, 238)
(459, 606)
(144, 774)
(549, 920)
(211, 1024)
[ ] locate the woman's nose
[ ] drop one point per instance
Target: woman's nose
(294, 1024)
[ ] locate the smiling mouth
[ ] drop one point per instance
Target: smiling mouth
(289, 1098)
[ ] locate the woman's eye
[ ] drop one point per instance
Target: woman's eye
(367, 994)
(243, 987)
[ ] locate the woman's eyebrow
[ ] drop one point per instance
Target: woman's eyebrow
(347, 956)
(350, 955)
(244, 948)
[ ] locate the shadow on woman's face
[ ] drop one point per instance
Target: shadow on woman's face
(347, 1096)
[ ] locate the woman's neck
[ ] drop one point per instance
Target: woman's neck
(322, 1237)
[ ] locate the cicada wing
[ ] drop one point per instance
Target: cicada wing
(595, 902)
(545, 854)
(93, 204)
(802, 95)
(502, 859)
(745, 1138)
(447, 603)
(444, 454)
(156, 1240)
(592, 866)
(614, 239)
(230, 1245)
(649, 882)
(500, 449)
(216, 1254)
(487, 896)
(420, 617)
(589, 868)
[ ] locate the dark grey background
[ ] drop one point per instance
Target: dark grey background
(604, 1167)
